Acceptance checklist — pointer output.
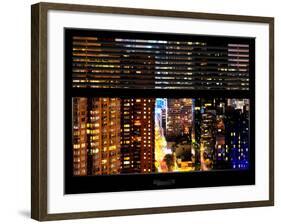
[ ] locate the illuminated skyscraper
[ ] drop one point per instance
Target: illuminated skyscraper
(103, 131)
(179, 117)
(137, 135)
(97, 123)
(79, 141)
(244, 138)
(161, 113)
(237, 139)
(208, 139)
(221, 154)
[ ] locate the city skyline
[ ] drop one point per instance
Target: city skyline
(126, 133)
(158, 135)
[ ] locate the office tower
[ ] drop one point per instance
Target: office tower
(79, 139)
(97, 121)
(103, 131)
(164, 120)
(197, 132)
(205, 133)
(179, 132)
(221, 157)
(244, 138)
(237, 123)
(208, 139)
(161, 114)
(137, 135)
(173, 118)
(179, 117)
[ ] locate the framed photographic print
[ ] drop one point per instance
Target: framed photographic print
(133, 104)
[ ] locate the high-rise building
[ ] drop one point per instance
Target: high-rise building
(197, 132)
(208, 139)
(161, 113)
(98, 122)
(79, 139)
(237, 124)
(103, 131)
(221, 156)
(137, 135)
(244, 138)
(179, 117)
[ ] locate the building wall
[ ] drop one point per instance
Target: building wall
(179, 117)
(80, 143)
(137, 135)
(98, 122)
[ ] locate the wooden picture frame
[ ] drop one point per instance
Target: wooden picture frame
(39, 108)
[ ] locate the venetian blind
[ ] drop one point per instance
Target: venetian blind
(114, 62)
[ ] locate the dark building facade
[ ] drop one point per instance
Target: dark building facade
(179, 117)
(137, 135)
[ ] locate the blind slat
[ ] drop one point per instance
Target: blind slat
(114, 62)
